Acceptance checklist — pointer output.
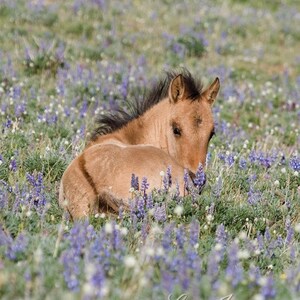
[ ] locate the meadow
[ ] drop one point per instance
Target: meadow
(62, 63)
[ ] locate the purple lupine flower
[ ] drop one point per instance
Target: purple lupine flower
(213, 267)
(295, 163)
(145, 230)
(200, 178)
(221, 236)
(16, 247)
(222, 156)
(230, 159)
(37, 195)
(160, 213)
(234, 269)
(83, 109)
(194, 232)
(293, 253)
(13, 165)
(70, 258)
(217, 187)
(3, 198)
(279, 241)
(124, 86)
(208, 158)
(254, 275)
(98, 281)
(167, 237)
(253, 196)
(70, 261)
(149, 202)
(252, 156)
(177, 192)
(140, 213)
(186, 179)
(242, 163)
(116, 239)
(135, 182)
(289, 236)
(267, 234)
(167, 180)
(144, 187)
(180, 237)
(268, 290)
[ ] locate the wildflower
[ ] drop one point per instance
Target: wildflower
(160, 213)
(289, 236)
(178, 210)
(253, 196)
(108, 228)
(134, 182)
(234, 269)
(140, 207)
(200, 178)
(129, 261)
(217, 187)
(268, 288)
(221, 236)
(16, 247)
(144, 186)
(124, 231)
(180, 237)
(149, 202)
(297, 227)
(295, 163)
(243, 163)
(162, 174)
(13, 164)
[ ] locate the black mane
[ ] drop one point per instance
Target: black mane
(116, 119)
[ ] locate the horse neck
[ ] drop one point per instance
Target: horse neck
(150, 129)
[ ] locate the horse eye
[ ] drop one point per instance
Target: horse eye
(177, 131)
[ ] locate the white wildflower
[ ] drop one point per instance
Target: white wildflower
(124, 231)
(297, 227)
(243, 254)
(283, 170)
(108, 228)
(130, 261)
(178, 210)
(276, 183)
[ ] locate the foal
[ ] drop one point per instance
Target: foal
(169, 128)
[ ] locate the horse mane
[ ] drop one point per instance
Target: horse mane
(118, 118)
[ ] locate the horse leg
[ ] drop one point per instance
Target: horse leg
(76, 194)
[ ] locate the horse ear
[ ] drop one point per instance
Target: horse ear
(176, 89)
(210, 94)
